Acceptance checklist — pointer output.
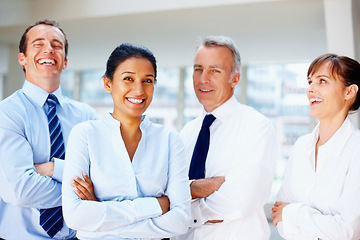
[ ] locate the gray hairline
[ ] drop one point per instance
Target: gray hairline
(222, 41)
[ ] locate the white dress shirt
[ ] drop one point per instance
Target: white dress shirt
(25, 141)
(126, 191)
(243, 149)
(324, 203)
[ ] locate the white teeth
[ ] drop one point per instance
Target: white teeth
(205, 90)
(46, 61)
(135, 100)
(312, 100)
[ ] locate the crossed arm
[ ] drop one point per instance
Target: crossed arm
(202, 188)
(85, 191)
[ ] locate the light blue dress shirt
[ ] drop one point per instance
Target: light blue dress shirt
(24, 141)
(126, 190)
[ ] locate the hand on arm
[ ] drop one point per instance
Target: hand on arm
(202, 188)
(84, 189)
(45, 169)
(277, 212)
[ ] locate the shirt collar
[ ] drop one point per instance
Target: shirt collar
(39, 95)
(338, 141)
(224, 110)
(112, 122)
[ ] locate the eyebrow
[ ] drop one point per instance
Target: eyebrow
(129, 72)
(213, 66)
(41, 39)
(322, 75)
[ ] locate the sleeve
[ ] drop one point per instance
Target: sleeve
(139, 217)
(20, 184)
(344, 223)
(58, 169)
(236, 198)
(177, 220)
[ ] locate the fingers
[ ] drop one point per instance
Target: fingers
(84, 189)
(87, 179)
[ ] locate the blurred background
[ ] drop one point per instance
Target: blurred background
(277, 40)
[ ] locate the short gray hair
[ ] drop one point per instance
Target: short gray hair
(213, 41)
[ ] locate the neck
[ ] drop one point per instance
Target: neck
(327, 128)
(49, 85)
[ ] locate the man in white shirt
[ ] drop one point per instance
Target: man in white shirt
(228, 200)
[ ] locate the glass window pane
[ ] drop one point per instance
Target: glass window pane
(279, 92)
(163, 109)
(68, 83)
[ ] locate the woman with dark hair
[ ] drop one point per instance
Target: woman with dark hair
(135, 182)
(320, 195)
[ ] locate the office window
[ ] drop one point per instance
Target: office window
(163, 109)
(279, 92)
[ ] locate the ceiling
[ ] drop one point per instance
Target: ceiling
(265, 31)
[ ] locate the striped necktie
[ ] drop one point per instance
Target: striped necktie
(51, 219)
(197, 165)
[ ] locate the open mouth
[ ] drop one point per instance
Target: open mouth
(205, 90)
(46, 61)
(136, 100)
(315, 100)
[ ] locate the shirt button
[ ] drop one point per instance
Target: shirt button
(195, 221)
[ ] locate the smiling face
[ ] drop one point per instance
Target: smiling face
(329, 97)
(132, 88)
(45, 58)
(213, 79)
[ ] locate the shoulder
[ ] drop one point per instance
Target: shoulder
(191, 126)
(159, 129)
(12, 102)
(248, 113)
(14, 108)
(88, 127)
(79, 108)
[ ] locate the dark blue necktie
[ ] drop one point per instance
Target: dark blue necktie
(51, 219)
(197, 165)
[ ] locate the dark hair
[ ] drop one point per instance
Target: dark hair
(346, 69)
(124, 52)
(23, 40)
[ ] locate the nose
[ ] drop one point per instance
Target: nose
(48, 48)
(138, 88)
(204, 77)
(310, 88)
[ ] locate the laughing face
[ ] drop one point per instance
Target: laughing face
(213, 79)
(132, 88)
(328, 97)
(45, 58)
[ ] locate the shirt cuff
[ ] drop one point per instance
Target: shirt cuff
(289, 217)
(147, 207)
(196, 217)
(58, 169)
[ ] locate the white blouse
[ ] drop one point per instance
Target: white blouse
(126, 191)
(324, 203)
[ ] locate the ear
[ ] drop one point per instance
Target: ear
(235, 80)
(351, 92)
(65, 63)
(107, 84)
(21, 59)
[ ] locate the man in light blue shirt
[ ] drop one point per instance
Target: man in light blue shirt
(29, 179)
